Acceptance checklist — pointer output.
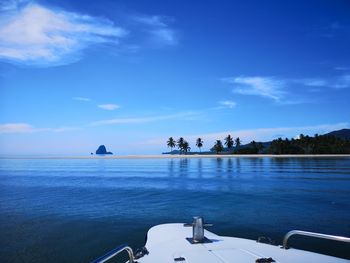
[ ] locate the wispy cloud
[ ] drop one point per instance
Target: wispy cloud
(81, 99)
(228, 103)
(16, 128)
(338, 82)
(36, 35)
(267, 87)
(109, 106)
(63, 129)
(332, 30)
(158, 29)
(341, 82)
(164, 36)
(328, 30)
(140, 120)
(7, 5)
(156, 21)
(334, 25)
(9, 128)
(279, 89)
(342, 68)
(314, 82)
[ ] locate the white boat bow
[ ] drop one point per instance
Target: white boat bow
(178, 243)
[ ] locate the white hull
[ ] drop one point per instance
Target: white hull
(168, 244)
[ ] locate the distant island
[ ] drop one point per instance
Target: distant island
(335, 142)
(102, 150)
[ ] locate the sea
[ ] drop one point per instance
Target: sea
(75, 210)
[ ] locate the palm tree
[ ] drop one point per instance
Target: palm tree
(218, 147)
(229, 141)
(186, 147)
(180, 143)
(238, 142)
(171, 143)
(199, 144)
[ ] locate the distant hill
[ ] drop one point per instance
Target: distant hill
(343, 134)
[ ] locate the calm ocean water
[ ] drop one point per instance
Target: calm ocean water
(74, 210)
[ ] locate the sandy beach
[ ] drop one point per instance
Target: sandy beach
(170, 156)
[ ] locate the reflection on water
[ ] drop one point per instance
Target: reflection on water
(229, 169)
(49, 207)
(200, 167)
(183, 166)
(238, 165)
(171, 168)
(219, 167)
(219, 163)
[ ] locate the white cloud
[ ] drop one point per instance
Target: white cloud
(313, 82)
(34, 34)
(16, 128)
(9, 128)
(338, 82)
(164, 36)
(151, 20)
(62, 129)
(228, 103)
(109, 106)
(342, 68)
(277, 89)
(139, 120)
(334, 25)
(158, 29)
(267, 87)
(341, 82)
(82, 99)
(10, 4)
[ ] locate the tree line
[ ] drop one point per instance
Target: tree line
(218, 147)
(319, 144)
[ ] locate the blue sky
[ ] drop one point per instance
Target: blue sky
(130, 74)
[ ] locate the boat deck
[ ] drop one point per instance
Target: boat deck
(168, 243)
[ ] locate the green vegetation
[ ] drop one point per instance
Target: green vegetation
(218, 147)
(199, 144)
(237, 142)
(180, 143)
(324, 144)
(171, 143)
(229, 142)
(183, 145)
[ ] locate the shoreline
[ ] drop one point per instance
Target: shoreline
(179, 156)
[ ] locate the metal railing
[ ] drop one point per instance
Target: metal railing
(312, 234)
(115, 252)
